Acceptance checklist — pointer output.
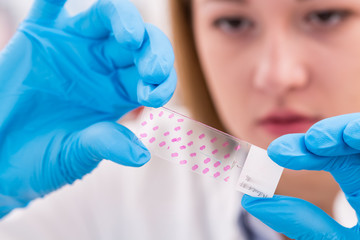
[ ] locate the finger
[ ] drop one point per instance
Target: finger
(151, 95)
(155, 58)
(290, 151)
(325, 138)
(104, 140)
(45, 11)
(351, 134)
(137, 92)
(295, 218)
(111, 17)
(113, 55)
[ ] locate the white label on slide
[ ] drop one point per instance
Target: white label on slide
(260, 175)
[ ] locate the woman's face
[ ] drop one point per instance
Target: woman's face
(277, 67)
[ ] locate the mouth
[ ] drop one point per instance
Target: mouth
(279, 123)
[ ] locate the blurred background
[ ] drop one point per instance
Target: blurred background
(12, 12)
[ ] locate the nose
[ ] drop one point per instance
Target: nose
(280, 68)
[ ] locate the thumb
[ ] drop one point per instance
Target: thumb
(104, 140)
(45, 11)
(296, 218)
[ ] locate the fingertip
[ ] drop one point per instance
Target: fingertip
(112, 141)
(144, 95)
(276, 148)
(285, 149)
(351, 134)
(151, 95)
(150, 100)
(248, 201)
(319, 141)
(140, 159)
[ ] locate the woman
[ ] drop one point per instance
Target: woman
(252, 64)
(259, 70)
(243, 51)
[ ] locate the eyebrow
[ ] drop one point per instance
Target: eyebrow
(244, 1)
(236, 1)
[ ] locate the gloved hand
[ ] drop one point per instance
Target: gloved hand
(64, 82)
(332, 145)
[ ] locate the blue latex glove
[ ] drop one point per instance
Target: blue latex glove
(64, 82)
(332, 145)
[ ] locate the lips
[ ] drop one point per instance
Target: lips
(282, 122)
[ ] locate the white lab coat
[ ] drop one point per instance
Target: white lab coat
(157, 201)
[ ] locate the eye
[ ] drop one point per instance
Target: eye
(233, 24)
(327, 18)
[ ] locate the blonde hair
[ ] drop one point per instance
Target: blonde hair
(194, 91)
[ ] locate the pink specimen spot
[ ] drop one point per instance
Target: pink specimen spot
(217, 164)
(174, 155)
(237, 147)
(205, 171)
(180, 120)
(143, 135)
(166, 134)
(226, 179)
(225, 144)
(176, 139)
(177, 128)
(207, 160)
(182, 147)
(193, 155)
(189, 132)
(190, 143)
(227, 167)
(155, 128)
(202, 147)
(151, 116)
(161, 113)
(168, 148)
(183, 162)
(215, 151)
(213, 140)
(143, 123)
(171, 115)
(202, 136)
(216, 174)
(227, 156)
(152, 140)
(195, 167)
(162, 144)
